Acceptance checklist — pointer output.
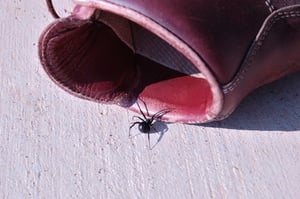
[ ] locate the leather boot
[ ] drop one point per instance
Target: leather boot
(199, 58)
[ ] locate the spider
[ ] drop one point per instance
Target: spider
(145, 125)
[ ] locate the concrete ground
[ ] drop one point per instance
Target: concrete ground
(54, 145)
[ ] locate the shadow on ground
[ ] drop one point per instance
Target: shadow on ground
(273, 107)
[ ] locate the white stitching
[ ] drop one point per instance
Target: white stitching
(256, 47)
(270, 5)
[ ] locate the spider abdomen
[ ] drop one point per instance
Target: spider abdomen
(144, 127)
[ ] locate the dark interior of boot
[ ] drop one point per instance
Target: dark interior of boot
(120, 65)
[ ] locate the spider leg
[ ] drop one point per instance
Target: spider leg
(132, 125)
(149, 140)
(145, 105)
(51, 9)
(160, 114)
(138, 118)
(141, 111)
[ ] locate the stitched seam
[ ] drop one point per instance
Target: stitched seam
(257, 46)
(270, 5)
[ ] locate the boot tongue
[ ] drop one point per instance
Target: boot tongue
(147, 44)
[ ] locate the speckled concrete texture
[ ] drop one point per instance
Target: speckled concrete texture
(54, 145)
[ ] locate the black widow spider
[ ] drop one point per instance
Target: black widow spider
(145, 125)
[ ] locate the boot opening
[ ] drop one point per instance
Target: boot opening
(111, 59)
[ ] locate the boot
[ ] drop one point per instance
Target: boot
(198, 58)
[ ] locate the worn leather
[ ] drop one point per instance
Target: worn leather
(226, 49)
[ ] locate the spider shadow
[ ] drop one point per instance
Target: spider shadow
(158, 127)
(161, 128)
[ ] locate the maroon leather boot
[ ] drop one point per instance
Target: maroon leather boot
(199, 58)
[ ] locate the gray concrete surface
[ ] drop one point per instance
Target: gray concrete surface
(54, 145)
